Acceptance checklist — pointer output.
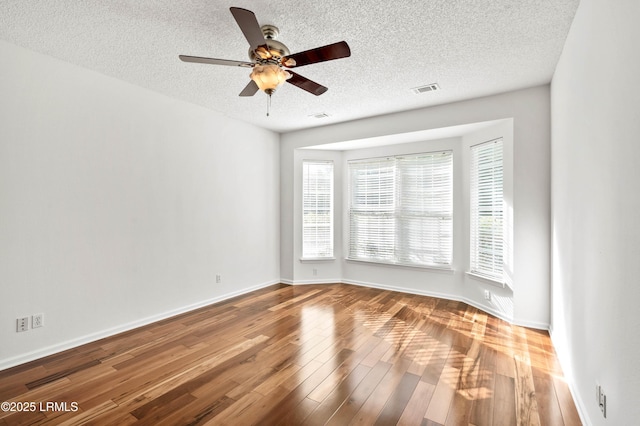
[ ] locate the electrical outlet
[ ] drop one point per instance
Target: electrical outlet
(315, 272)
(218, 279)
(37, 320)
(22, 324)
(487, 295)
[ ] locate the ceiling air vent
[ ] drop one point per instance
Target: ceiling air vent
(428, 88)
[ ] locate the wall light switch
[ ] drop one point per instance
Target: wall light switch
(22, 324)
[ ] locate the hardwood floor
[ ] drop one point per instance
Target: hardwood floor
(312, 355)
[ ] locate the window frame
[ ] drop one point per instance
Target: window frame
(399, 213)
(487, 262)
(306, 253)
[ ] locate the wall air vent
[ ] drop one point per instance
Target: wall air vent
(428, 88)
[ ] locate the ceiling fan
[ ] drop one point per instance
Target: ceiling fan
(270, 59)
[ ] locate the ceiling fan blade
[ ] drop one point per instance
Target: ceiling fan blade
(248, 23)
(305, 84)
(250, 89)
(215, 61)
(320, 54)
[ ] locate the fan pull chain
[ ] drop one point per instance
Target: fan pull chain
(268, 104)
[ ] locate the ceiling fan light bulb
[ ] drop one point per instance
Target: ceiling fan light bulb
(289, 62)
(262, 53)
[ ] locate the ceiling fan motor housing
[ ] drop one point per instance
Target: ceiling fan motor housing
(271, 32)
(276, 49)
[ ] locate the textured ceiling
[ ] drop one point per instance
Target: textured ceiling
(471, 48)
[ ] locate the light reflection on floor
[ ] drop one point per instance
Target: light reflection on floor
(462, 371)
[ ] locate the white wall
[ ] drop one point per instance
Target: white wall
(596, 205)
(529, 110)
(119, 206)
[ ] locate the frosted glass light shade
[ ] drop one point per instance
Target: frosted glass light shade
(269, 77)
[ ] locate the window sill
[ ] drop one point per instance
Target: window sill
(445, 269)
(486, 279)
(316, 259)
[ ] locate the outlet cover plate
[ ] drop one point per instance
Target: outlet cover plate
(37, 320)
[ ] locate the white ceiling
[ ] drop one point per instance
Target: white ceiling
(471, 48)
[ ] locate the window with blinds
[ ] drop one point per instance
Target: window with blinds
(317, 209)
(400, 209)
(487, 210)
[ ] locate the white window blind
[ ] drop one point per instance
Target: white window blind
(401, 209)
(372, 208)
(487, 210)
(317, 209)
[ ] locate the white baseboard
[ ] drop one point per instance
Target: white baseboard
(69, 344)
(531, 324)
(309, 282)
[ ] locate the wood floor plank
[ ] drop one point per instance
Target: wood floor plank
(438, 354)
(317, 354)
(504, 350)
(568, 409)
(210, 401)
(277, 379)
(372, 407)
(398, 401)
(294, 417)
(547, 400)
(348, 410)
(16, 379)
(101, 413)
(287, 303)
(443, 395)
(483, 404)
(302, 375)
(150, 389)
(377, 353)
(416, 407)
(459, 411)
(337, 376)
(526, 400)
(306, 383)
(504, 409)
(340, 393)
